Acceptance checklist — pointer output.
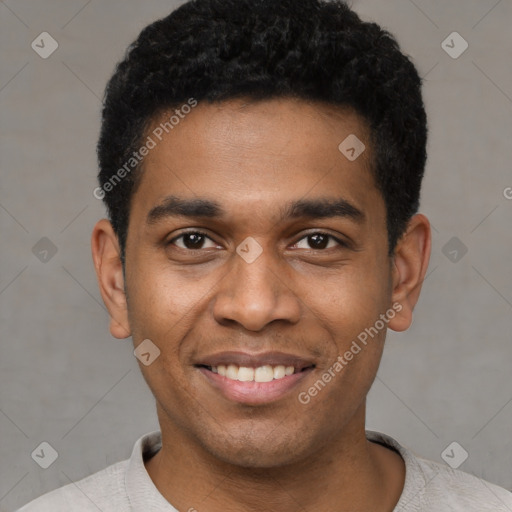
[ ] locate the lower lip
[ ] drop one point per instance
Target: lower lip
(254, 393)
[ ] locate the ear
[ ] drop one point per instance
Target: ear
(410, 262)
(109, 271)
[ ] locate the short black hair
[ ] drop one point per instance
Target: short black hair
(217, 50)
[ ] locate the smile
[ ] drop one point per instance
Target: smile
(254, 385)
(266, 373)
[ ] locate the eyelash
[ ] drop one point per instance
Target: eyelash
(341, 243)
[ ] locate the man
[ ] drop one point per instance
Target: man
(261, 162)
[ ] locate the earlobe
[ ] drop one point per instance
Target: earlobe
(109, 271)
(410, 263)
(118, 330)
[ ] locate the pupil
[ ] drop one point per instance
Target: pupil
(193, 240)
(318, 241)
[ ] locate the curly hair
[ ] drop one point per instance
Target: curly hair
(216, 50)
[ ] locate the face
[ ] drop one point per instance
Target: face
(253, 242)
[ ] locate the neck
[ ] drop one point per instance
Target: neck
(348, 474)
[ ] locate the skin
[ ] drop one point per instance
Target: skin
(253, 158)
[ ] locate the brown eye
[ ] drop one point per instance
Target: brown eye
(318, 241)
(193, 240)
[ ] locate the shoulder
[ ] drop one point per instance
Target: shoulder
(104, 490)
(458, 491)
(434, 487)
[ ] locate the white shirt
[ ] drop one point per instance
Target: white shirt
(127, 487)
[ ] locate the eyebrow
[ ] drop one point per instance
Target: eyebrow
(321, 208)
(173, 206)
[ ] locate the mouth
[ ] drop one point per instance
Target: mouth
(254, 379)
(265, 373)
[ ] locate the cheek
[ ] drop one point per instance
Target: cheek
(351, 300)
(161, 302)
(351, 307)
(165, 307)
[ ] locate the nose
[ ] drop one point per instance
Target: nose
(255, 294)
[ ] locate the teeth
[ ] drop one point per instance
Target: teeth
(279, 372)
(265, 373)
(232, 372)
(245, 374)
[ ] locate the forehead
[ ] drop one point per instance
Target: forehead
(248, 154)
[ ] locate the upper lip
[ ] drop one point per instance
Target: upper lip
(255, 360)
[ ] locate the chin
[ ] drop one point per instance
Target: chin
(255, 458)
(253, 451)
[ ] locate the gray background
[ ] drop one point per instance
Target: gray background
(65, 381)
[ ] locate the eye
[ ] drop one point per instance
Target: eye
(193, 240)
(319, 241)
